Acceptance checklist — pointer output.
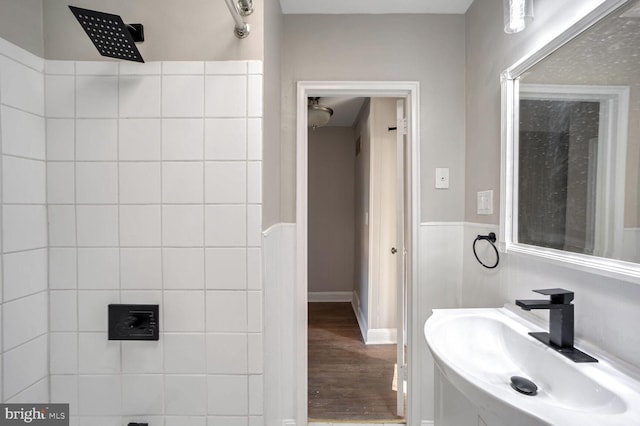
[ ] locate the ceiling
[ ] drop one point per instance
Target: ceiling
(345, 110)
(374, 6)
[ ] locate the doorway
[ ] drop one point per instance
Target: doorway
(408, 181)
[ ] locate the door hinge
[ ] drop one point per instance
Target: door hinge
(402, 126)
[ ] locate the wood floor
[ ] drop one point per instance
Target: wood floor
(348, 380)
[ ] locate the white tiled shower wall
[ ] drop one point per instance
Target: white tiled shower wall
(153, 185)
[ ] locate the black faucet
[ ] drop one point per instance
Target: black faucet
(561, 321)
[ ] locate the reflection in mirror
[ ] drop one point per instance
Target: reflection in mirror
(578, 143)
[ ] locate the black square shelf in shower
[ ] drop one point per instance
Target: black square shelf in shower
(110, 35)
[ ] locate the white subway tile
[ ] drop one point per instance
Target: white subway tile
(61, 183)
(182, 96)
(24, 273)
(143, 357)
(255, 395)
(255, 351)
(142, 297)
(24, 319)
(24, 366)
(60, 96)
(24, 227)
(137, 68)
(140, 96)
(228, 395)
(185, 395)
(254, 306)
(60, 139)
(182, 226)
(97, 354)
(62, 268)
(21, 55)
(254, 225)
(254, 108)
(183, 268)
(185, 354)
(96, 140)
(226, 67)
(226, 268)
(23, 134)
(225, 182)
(184, 311)
(62, 226)
(226, 226)
(92, 309)
(228, 421)
(254, 269)
(97, 97)
(39, 391)
(97, 226)
(254, 182)
(259, 421)
(99, 395)
(142, 394)
(182, 139)
(227, 353)
(21, 87)
(96, 68)
(139, 183)
(140, 226)
(226, 96)
(186, 421)
(63, 353)
(226, 138)
(64, 390)
(182, 182)
(97, 183)
(23, 180)
(98, 268)
(226, 311)
(254, 139)
(183, 68)
(141, 268)
(139, 139)
(63, 307)
(59, 67)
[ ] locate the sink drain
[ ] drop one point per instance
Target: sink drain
(524, 386)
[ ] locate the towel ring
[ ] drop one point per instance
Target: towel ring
(492, 239)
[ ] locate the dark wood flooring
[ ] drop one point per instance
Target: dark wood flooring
(348, 380)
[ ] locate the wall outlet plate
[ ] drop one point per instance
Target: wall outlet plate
(134, 322)
(485, 202)
(442, 178)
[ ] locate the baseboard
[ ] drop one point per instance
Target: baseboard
(329, 296)
(427, 423)
(381, 336)
(362, 321)
(288, 423)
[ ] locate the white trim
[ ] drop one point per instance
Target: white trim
(381, 336)
(410, 90)
(620, 270)
(424, 224)
(329, 296)
(288, 423)
(360, 317)
(427, 423)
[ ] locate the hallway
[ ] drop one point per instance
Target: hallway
(348, 380)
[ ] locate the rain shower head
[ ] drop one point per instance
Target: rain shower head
(110, 35)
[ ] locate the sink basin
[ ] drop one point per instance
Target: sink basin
(479, 350)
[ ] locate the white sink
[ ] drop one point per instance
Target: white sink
(479, 350)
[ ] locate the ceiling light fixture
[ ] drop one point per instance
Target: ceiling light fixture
(517, 15)
(317, 115)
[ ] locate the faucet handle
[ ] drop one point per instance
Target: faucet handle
(558, 295)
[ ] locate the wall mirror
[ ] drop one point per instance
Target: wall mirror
(571, 145)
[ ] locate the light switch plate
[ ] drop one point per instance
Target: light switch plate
(442, 178)
(485, 202)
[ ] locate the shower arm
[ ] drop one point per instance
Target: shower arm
(238, 10)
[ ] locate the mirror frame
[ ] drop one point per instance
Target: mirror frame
(510, 85)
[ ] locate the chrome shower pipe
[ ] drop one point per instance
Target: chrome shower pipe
(241, 29)
(245, 7)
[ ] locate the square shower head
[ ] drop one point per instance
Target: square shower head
(109, 34)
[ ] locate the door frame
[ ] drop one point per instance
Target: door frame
(409, 90)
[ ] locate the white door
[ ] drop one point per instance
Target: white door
(400, 253)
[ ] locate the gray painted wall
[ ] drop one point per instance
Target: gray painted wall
(21, 24)
(182, 30)
(424, 48)
(331, 209)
